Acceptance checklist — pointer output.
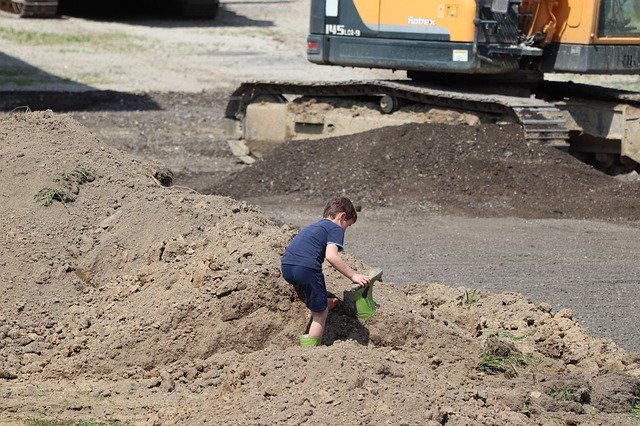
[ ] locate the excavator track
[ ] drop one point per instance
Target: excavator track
(30, 8)
(600, 122)
(558, 89)
(540, 119)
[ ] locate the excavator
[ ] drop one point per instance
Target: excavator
(50, 8)
(487, 57)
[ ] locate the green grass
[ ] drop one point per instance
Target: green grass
(20, 81)
(491, 363)
(92, 78)
(635, 410)
(24, 76)
(193, 48)
(50, 39)
(29, 76)
(79, 175)
(113, 41)
(46, 196)
(563, 394)
(471, 297)
(510, 335)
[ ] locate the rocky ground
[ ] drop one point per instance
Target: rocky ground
(125, 300)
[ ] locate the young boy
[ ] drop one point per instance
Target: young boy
(303, 258)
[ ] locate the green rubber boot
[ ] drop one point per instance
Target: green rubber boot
(306, 341)
(365, 306)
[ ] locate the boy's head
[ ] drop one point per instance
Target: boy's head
(337, 205)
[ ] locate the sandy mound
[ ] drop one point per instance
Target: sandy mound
(486, 170)
(128, 261)
(128, 300)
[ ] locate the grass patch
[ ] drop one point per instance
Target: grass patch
(635, 410)
(28, 76)
(46, 196)
(50, 39)
(20, 81)
(24, 76)
(510, 335)
(112, 41)
(502, 357)
(79, 175)
(92, 78)
(67, 192)
(470, 297)
(493, 364)
(563, 394)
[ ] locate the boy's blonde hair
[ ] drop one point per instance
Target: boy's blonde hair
(337, 205)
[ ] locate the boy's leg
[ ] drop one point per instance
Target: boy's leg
(318, 320)
(317, 301)
(310, 283)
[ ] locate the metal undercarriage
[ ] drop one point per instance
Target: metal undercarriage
(589, 120)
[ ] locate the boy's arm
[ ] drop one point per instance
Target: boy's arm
(333, 257)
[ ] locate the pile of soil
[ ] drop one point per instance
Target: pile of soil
(485, 171)
(126, 299)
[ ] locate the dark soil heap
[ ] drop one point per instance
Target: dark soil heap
(123, 299)
(486, 171)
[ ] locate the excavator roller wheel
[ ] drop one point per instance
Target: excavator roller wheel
(605, 160)
(269, 99)
(389, 104)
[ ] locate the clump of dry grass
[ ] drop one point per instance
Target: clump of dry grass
(68, 190)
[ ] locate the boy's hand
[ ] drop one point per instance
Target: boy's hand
(361, 280)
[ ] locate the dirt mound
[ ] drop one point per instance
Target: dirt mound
(129, 300)
(486, 171)
(121, 260)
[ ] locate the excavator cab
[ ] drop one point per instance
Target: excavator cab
(422, 36)
(478, 36)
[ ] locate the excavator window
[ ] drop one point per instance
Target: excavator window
(619, 18)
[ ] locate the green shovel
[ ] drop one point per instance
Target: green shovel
(365, 306)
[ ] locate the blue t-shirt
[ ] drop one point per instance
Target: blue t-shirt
(309, 246)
